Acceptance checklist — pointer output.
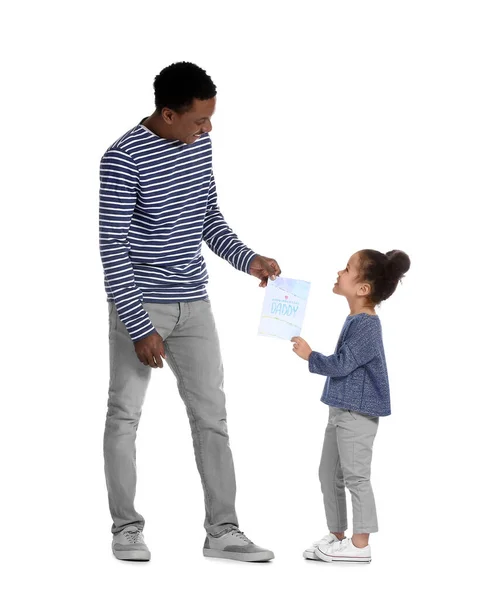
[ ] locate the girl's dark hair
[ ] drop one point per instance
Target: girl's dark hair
(179, 84)
(383, 271)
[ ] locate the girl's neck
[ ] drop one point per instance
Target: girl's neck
(356, 309)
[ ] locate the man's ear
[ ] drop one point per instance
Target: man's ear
(168, 115)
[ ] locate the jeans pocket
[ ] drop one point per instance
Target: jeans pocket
(352, 414)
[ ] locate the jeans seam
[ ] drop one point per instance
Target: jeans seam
(114, 348)
(200, 445)
(336, 492)
(359, 501)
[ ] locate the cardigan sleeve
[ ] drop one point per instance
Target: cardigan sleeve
(360, 347)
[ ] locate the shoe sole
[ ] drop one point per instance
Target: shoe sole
(310, 555)
(242, 556)
(327, 558)
(139, 555)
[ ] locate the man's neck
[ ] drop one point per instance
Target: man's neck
(156, 124)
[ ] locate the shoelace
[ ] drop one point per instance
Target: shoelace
(134, 537)
(322, 541)
(241, 535)
(339, 545)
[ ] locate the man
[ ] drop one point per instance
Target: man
(158, 203)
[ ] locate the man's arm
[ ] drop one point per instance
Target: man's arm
(221, 239)
(118, 180)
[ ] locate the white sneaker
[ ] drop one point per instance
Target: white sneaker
(309, 553)
(343, 551)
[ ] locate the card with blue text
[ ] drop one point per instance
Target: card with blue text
(284, 305)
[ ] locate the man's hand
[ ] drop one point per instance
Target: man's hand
(301, 347)
(150, 349)
(263, 268)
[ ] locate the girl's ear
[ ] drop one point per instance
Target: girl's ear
(364, 289)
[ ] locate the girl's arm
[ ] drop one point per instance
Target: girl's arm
(358, 350)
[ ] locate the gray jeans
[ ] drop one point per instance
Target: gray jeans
(346, 462)
(193, 355)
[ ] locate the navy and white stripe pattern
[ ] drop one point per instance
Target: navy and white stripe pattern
(158, 202)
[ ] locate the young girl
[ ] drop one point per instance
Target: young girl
(357, 392)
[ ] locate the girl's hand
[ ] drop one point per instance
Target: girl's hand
(301, 347)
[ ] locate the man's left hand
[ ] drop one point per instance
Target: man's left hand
(263, 268)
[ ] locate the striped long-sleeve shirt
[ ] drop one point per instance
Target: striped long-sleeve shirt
(158, 203)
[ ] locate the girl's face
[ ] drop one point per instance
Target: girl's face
(348, 283)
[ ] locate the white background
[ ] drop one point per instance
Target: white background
(339, 126)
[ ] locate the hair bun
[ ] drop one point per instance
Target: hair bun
(398, 264)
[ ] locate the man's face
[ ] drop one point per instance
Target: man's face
(189, 126)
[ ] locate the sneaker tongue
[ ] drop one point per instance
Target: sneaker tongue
(131, 528)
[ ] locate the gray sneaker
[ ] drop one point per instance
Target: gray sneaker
(129, 545)
(235, 545)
